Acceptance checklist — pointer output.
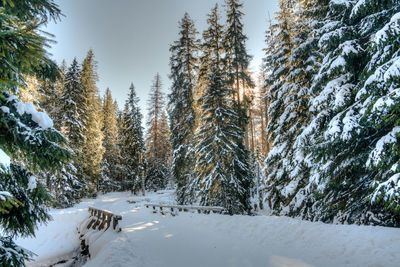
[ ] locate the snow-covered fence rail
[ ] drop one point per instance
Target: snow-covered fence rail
(102, 219)
(173, 208)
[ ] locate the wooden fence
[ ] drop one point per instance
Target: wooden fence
(200, 209)
(102, 219)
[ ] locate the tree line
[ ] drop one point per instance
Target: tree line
(315, 137)
(332, 80)
(109, 147)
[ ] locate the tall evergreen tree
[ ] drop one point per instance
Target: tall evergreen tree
(132, 143)
(63, 185)
(111, 156)
(27, 136)
(222, 170)
(237, 61)
(379, 116)
(184, 63)
(343, 165)
(353, 126)
(156, 140)
(73, 120)
(288, 172)
(92, 150)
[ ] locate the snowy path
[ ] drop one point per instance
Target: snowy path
(188, 239)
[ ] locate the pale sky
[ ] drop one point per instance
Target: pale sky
(131, 38)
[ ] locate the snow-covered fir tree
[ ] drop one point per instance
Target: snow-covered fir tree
(28, 140)
(157, 139)
(222, 170)
(379, 115)
(181, 109)
(339, 162)
(352, 127)
(279, 45)
(132, 143)
(287, 171)
(72, 104)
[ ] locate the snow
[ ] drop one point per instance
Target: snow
(4, 159)
(59, 237)
(376, 155)
(5, 109)
(383, 104)
(4, 195)
(191, 239)
(390, 188)
(32, 182)
(357, 6)
(392, 28)
(41, 118)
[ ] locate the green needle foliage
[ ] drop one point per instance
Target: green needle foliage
(27, 136)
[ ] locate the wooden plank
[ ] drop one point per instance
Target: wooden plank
(186, 208)
(101, 218)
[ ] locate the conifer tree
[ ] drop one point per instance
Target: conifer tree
(63, 184)
(222, 170)
(110, 143)
(29, 93)
(184, 63)
(379, 116)
(349, 144)
(157, 142)
(72, 108)
(69, 183)
(237, 62)
(93, 150)
(49, 98)
(289, 94)
(132, 142)
(353, 126)
(28, 140)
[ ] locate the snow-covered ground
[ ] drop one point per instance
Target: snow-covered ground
(191, 239)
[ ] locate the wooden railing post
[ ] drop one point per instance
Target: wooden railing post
(102, 219)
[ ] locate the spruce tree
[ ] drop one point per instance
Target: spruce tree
(157, 142)
(63, 184)
(379, 94)
(183, 63)
(110, 142)
(222, 170)
(72, 108)
(289, 93)
(92, 150)
(333, 182)
(354, 124)
(69, 183)
(279, 46)
(237, 62)
(350, 139)
(132, 143)
(28, 141)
